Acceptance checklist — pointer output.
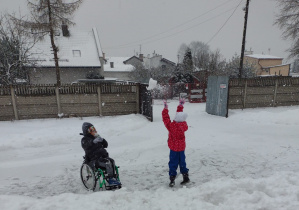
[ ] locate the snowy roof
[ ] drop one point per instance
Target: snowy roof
(133, 58)
(168, 61)
(118, 63)
(262, 56)
(80, 49)
(294, 74)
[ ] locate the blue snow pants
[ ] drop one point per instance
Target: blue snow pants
(177, 159)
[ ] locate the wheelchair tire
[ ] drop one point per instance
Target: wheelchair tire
(88, 177)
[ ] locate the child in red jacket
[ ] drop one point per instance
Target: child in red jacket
(176, 142)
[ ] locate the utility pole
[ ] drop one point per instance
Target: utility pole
(244, 39)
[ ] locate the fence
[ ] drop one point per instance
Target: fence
(49, 101)
(263, 92)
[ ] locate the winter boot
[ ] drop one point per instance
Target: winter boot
(172, 183)
(113, 182)
(185, 179)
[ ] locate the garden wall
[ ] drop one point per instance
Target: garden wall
(263, 92)
(48, 101)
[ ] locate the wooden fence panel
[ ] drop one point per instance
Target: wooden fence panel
(262, 99)
(35, 111)
(263, 92)
(287, 97)
(118, 109)
(78, 98)
(119, 98)
(45, 101)
(266, 90)
(288, 89)
(6, 110)
(236, 91)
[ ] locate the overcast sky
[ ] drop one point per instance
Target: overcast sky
(161, 26)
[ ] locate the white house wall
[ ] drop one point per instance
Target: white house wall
(67, 75)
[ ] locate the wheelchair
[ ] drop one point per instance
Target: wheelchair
(91, 175)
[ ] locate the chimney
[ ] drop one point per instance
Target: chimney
(65, 30)
(103, 55)
(141, 57)
(112, 65)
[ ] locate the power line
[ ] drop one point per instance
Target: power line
(170, 29)
(225, 22)
(174, 34)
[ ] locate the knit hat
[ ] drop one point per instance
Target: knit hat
(180, 116)
(85, 127)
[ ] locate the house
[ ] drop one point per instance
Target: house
(118, 68)
(268, 65)
(135, 61)
(157, 61)
(80, 57)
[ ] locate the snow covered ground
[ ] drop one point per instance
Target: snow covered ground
(249, 160)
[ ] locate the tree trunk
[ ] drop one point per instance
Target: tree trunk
(54, 47)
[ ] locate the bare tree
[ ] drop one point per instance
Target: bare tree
(200, 53)
(233, 65)
(162, 75)
(288, 21)
(47, 16)
(15, 45)
(216, 63)
(140, 73)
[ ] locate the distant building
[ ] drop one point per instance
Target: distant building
(268, 65)
(80, 56)
(157, 61)
(118, 68)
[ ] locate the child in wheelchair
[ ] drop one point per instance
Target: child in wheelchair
(94, 146)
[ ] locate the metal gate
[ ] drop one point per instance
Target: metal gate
(145, 101)
(197, 92)
(217, 96)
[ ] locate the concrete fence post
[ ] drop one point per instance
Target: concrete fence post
(137, 98)
(245, 95)
(14, 103)
(275, 92)
(100, 100)
(58, 100)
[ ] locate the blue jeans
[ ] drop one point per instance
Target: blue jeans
(177, 159)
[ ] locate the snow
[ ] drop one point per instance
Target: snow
(118, 65)
(80, 49)
(152, 84)
(262, 56)
(246, 161)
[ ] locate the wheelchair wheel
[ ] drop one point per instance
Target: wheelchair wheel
(88, 177)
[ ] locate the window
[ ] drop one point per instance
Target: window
(76, 53)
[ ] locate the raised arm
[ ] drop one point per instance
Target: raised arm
(165, 116)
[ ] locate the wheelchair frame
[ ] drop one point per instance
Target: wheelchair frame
(95, 175)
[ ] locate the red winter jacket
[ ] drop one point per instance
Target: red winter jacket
(176, 136)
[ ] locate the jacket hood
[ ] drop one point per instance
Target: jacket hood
(180, 117)
(85, 127)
